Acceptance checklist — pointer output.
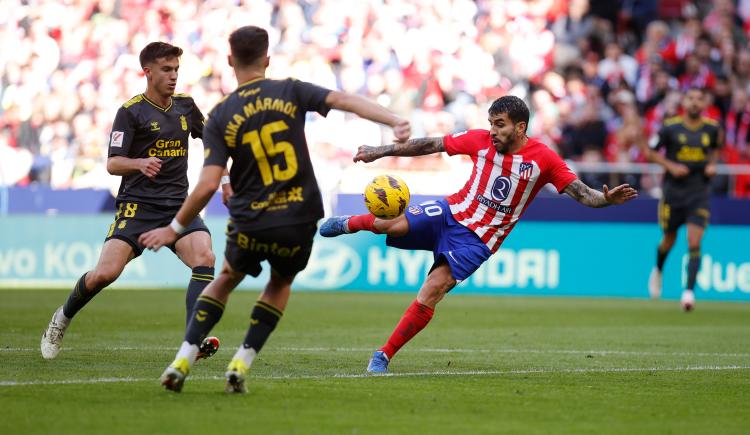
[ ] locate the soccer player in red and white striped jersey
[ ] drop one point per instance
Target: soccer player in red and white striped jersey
(464, 229)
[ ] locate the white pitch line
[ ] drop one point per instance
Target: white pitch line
(429, 350)
(406, 374)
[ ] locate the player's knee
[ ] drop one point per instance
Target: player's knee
(666, 245)
(435, 289)
(205, 258)
(278, 283)
(393, 227)
(103, 276)
(667, 241)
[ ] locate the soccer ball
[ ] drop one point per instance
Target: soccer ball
(387, 196)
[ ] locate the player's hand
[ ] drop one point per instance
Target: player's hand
(678, 170)
(226, 192)
(150, 167)
(619, 194)
(367, 154)
(710, 170)
(157, 238)
(402, 130)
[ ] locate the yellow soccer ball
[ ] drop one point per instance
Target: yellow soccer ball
(387, 196)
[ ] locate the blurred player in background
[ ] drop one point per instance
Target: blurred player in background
(691, 144)
(276, 202)
(466, 228)
(148, 147)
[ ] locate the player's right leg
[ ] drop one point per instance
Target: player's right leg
(112, 260)
(669, 221)
(655, 278)
(266, 314)
(338, 225)
(458, 253)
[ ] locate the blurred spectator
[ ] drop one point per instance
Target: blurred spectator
(617, 66)
(594, 87)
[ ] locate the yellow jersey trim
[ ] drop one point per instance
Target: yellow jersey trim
(250, 82)
(134, 100)
(163, 109)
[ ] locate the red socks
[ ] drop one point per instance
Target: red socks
(416, 317)
(362, 222)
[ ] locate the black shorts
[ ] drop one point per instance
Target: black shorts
(133, 219)
(694, 211)
(287, 248)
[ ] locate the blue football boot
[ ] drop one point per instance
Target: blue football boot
(335, 226)
(378, 362)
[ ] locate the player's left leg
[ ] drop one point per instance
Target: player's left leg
(439, 282)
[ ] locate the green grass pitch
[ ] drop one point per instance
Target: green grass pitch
(484, 365)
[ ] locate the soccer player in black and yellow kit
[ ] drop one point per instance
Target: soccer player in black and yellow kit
(276, 202)
(690, 142)
(148, 147)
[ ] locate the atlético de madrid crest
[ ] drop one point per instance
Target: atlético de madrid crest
(525, 170)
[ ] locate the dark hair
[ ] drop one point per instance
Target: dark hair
(698, 88)
(248, 44)
(515, 108)
(158, 50)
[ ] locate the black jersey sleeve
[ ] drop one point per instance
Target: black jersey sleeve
(197, 122)
(663, 139)
(123, 132)
(215, 149)
(312, 97)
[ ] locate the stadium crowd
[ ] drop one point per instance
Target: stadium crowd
(599, 75)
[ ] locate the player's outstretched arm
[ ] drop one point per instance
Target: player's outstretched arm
(195, 202)
(593, 198)
(412, 147)
(371, 110)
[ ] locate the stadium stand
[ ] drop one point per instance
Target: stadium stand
(600, 76)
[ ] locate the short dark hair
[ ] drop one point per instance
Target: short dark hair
(698, 88)
(248, 44)
(515, 108)
(158, 50)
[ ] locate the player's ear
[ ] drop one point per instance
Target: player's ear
(230, 61)
(267, 62)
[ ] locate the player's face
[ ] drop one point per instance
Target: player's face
(694, 103)
(162, 74)
(504, 132)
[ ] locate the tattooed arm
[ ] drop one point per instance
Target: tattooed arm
(593, 198)
(412, 147)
